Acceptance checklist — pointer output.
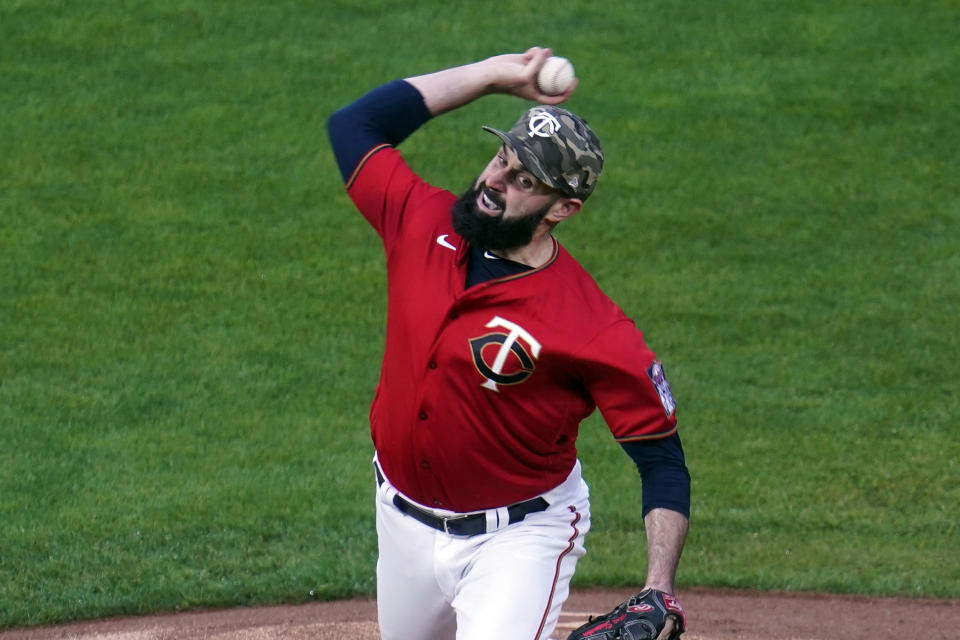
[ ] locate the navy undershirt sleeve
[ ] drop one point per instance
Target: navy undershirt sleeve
(386, 115)
(663, 472)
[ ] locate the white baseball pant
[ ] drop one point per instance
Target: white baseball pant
(508, 583)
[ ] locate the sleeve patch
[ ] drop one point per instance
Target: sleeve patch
(659, 380)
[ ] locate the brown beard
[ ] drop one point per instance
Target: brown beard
(493, 232)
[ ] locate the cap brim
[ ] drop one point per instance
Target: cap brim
(523, 154)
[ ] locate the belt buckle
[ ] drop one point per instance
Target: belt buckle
(446, 528)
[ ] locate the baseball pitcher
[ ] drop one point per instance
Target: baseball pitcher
(498, 345)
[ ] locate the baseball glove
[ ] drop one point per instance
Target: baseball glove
(642, 617)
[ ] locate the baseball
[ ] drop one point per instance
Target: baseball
(556, 76)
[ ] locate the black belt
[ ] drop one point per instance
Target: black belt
(466, 525)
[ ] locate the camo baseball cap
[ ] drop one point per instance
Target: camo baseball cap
(558, 147)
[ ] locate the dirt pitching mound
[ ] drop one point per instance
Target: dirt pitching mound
(712, 615)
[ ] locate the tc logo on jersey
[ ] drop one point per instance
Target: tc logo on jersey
(655, 372)
(503, 358)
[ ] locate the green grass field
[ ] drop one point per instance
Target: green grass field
(191, 314)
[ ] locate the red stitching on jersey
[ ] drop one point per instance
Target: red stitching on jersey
(556, 574)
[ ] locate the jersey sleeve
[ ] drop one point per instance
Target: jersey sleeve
(629, 386)
(387, 192)
(363, 136)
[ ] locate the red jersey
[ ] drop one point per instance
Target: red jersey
(482, 389)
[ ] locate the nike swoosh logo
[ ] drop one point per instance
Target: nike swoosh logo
(442, 241)
(490, 256)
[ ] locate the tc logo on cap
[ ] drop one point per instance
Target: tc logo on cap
(542, 124)
(558, 147)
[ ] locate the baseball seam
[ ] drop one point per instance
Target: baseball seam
(552, 87)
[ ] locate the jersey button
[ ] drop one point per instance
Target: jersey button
(437, 503)
(454, 315)
(422, 415)
(424, 464)
(432, 364)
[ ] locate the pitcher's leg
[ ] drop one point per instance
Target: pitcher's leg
(520, 578)
(410, 603)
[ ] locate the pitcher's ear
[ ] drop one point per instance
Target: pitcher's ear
(563, 209)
